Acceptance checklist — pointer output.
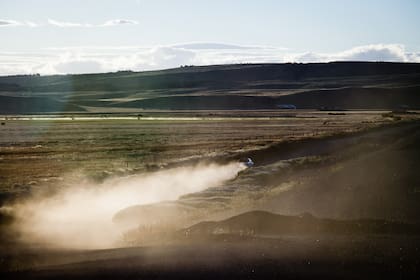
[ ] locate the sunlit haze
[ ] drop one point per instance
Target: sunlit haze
(59, 37)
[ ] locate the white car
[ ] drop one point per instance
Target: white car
(248, 162)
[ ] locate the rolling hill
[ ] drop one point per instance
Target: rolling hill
(336, 85)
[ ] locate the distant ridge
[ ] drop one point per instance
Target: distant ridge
(344, 85)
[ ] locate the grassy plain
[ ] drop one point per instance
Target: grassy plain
(35, 153)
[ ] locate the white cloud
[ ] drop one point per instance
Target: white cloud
(304, 57)
(114, 22)
(413, 57)
(67, 24)
(31, 23)
(211, 46)
(58, 23)
(375, 53)
(9, 23)
(378, 52)
(70, 63)
(91, 59)
(166, 57)
(79, 66)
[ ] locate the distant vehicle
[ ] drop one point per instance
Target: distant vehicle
(331, 108)
(286, 106)
(248, 162)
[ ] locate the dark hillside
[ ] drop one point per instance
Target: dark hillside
(347, 85)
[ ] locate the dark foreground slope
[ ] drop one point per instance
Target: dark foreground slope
(376, 254)
(339, 85)
(262, 223)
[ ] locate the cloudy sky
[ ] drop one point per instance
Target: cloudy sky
(86, 36)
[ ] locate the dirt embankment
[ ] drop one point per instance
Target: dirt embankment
(369, 174)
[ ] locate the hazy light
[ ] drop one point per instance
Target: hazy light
(81, 216)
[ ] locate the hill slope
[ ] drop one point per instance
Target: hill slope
(262, 223)
(344, 85)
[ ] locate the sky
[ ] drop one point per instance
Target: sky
(89, 36)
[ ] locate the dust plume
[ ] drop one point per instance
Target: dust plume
(80, 216)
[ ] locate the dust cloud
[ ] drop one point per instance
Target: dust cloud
(81, 215)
